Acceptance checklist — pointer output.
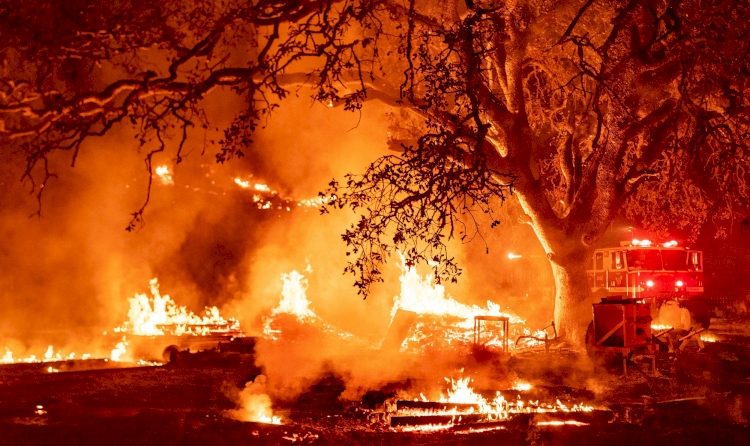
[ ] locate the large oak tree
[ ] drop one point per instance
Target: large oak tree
(579, 109)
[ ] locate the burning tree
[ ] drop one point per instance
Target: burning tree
(580, 109)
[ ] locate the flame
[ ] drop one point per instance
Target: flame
(242, 184)
(294, 302)
(120, 350)
(422, 296)
(49, 356)
(709, 337)
(428, 299)
(163, 173)
(152, 317)
(521, 386)
(496, 409)
(294, 296)
(255, 404)
(660, 327)
(562, 423)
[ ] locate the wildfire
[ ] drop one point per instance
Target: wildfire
(159, 314)
(163, 173)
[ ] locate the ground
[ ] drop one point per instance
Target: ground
(701, 397)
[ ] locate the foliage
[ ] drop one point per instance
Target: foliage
(582, 109)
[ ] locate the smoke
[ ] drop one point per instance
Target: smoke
(67, 277)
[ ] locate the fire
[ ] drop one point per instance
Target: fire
(294, 297)
(455, 320)
(49, 356)
(263, 188)
(241, 183)
(294, 302)
(163, 173)
(562, 423)
(660, 327)
(521, 386)
(255, 404)
(160, 314)
(465, 401)
(422, 296)
(120, 350)
(709, 337)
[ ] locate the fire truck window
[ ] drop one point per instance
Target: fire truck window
(591, 263)
(674, 260)
(599, 261)
(644, 259)
(617, 262)
(695, 262)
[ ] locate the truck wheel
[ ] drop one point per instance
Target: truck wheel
(170, 354)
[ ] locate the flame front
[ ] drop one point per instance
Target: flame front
(160, 314)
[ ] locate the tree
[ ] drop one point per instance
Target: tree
(580, 109)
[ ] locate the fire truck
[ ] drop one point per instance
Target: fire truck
(654, 274)
(643, 285)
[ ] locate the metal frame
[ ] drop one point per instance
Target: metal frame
(504, 320)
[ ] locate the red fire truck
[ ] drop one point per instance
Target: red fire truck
(651, 273)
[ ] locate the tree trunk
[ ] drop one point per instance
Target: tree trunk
(573, 311)
(569, 257)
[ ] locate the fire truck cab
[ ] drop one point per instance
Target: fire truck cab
(651, 273)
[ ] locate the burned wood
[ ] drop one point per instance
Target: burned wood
(438, 419)
(432, 405)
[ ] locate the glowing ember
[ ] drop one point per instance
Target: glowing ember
(263, 188)
(521, 386)
(562, 423)
(708, 337)
(242, 184)
(159, 315)
(163, 173)
(660, 327)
